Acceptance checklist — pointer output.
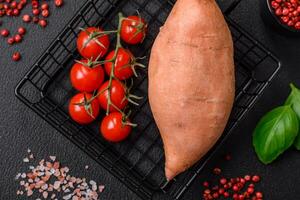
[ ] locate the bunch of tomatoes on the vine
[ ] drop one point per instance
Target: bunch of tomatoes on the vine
(96, 92)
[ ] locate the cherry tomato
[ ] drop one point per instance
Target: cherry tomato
(133, 30)
(81, 111)
(86, 77)
(117, 95)
(91, 44)
(113, 128)
(123, 64)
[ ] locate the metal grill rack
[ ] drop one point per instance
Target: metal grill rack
(139, 161)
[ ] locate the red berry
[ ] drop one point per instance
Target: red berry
(45, 13)
(241, 197)
(250, 190)
(217, 171)
(58, 3)
(235, 188)
(7, 1)
(21, 31)
(226, 194)
(16, 12)
(35, 4)
(278, 1)
(255, 178)
(26, 18)
(297, 25)
(13, 4)
(235, 196)
(11, 40)
(285, 11)
(298, 8)
(205, 184)
(20, 6)
(221, 191)
(4, 32)
(285, 19)
(247, 178)
(207, 191)
(259, 195)
(293, 1)
(288, 4)
(35, 19)
(36, 11)
(44, 6)
(223, 181)
(274, 4)
(18, 38)
(9, 12)
(23, 2)
(227, 157)
(16, 56)
(290, 23)
(215, 195)
(242, 181)
(295, 13)
(43, 23)
(251, 185)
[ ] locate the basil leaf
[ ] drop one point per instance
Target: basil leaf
(294, 101)
(275, 133)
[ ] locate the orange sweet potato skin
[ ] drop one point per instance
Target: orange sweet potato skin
(191, 82)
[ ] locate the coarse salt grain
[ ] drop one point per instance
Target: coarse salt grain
(45, 195)
(26, 160)
(31, 156)
(53, 158)
(23, 175)
(86, 167)
(18, 176)
(72, 187)
(101, 188)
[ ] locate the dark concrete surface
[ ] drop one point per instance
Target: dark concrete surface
(20, 128)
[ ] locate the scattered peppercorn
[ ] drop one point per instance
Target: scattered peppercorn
(26, 18)
(43, 23)
(58, 3)
(18, 38)
(4, 32)
(16, 56)
(45, 13)
(217, 171)
(21, 31)
(238, 188)
(10, 40)
(44, 6)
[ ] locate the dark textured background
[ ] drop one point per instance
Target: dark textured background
(22, 129)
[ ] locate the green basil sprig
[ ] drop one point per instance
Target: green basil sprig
(278, 129)
(294, 101)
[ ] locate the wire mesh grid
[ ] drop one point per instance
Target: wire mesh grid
(139, 161)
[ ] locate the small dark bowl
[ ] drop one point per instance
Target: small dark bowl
(269, 17)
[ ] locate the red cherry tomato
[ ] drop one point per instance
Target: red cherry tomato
(81, 111)
(91, 44)
(86, 77)
(133, 30)
(123, 64)
(113, 128)
(117, 95)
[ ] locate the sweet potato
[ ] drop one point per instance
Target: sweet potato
(191, 82)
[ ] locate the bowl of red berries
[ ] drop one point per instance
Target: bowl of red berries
(283, 14)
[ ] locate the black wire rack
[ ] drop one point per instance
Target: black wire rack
(138, 162)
